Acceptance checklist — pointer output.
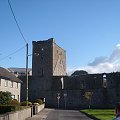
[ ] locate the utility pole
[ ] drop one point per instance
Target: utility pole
(26, 74)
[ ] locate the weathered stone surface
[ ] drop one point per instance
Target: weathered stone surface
(49, 78)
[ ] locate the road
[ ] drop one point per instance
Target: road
(52, 114)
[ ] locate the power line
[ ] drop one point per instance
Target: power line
(12, 53)
(26, 51)
(16, 22)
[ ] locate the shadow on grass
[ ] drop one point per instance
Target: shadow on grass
(90, 116)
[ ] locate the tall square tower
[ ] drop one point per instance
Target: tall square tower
(48, 59)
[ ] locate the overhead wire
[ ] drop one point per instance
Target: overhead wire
(17, 22)
(12, 53)
(21, 33)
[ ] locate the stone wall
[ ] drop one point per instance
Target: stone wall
(75, 87)
(59, 61)
(49, 78)
(22, 114)
(18, 115)
(42, 58)
(75, 99)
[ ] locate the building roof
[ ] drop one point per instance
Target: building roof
(19, 70)
(5, 74)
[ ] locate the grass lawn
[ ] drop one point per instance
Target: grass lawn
(102, 114)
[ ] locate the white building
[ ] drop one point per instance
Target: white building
(9, 82)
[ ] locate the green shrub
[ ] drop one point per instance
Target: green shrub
(39, 101)
(14, 102)
(9, 108)
(24, 103)
(5, 97)
(35, 103)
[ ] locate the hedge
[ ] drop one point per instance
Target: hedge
(24, 103)
(39, 101)
(9, 108)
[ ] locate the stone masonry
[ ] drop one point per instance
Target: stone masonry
(50, 81)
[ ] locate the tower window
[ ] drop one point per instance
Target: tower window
(36, 54)
(62, 83)
(42, 49)
(104, 81)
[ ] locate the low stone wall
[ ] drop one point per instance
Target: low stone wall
(41, 107)
(18, 115)
(37, 108)
(22, 114)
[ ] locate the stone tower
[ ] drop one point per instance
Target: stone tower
(48, 60)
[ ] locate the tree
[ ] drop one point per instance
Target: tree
(79, 72)
(88, 96)
(5, 97)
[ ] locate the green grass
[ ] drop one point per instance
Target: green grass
(102, 114)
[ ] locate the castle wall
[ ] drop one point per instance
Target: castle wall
(49, 81)
(75, 88)
(59, 61)
(75, 99)
(42, 60)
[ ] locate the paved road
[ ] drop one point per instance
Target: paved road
(51, 114)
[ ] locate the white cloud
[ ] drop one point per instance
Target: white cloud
(115, 56)
(98, 60)
(103, 64)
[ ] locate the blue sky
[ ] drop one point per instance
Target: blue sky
(89, 31)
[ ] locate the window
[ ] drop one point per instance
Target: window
(62, 83)
(11, 84)
(18, 97)
(42, 49)
(36, 54)
(16, 85)
(15, 72)
(104, 81)
(22, 73)
(13, 96)
(6, 83)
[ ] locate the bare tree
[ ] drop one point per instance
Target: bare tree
(88, 96)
